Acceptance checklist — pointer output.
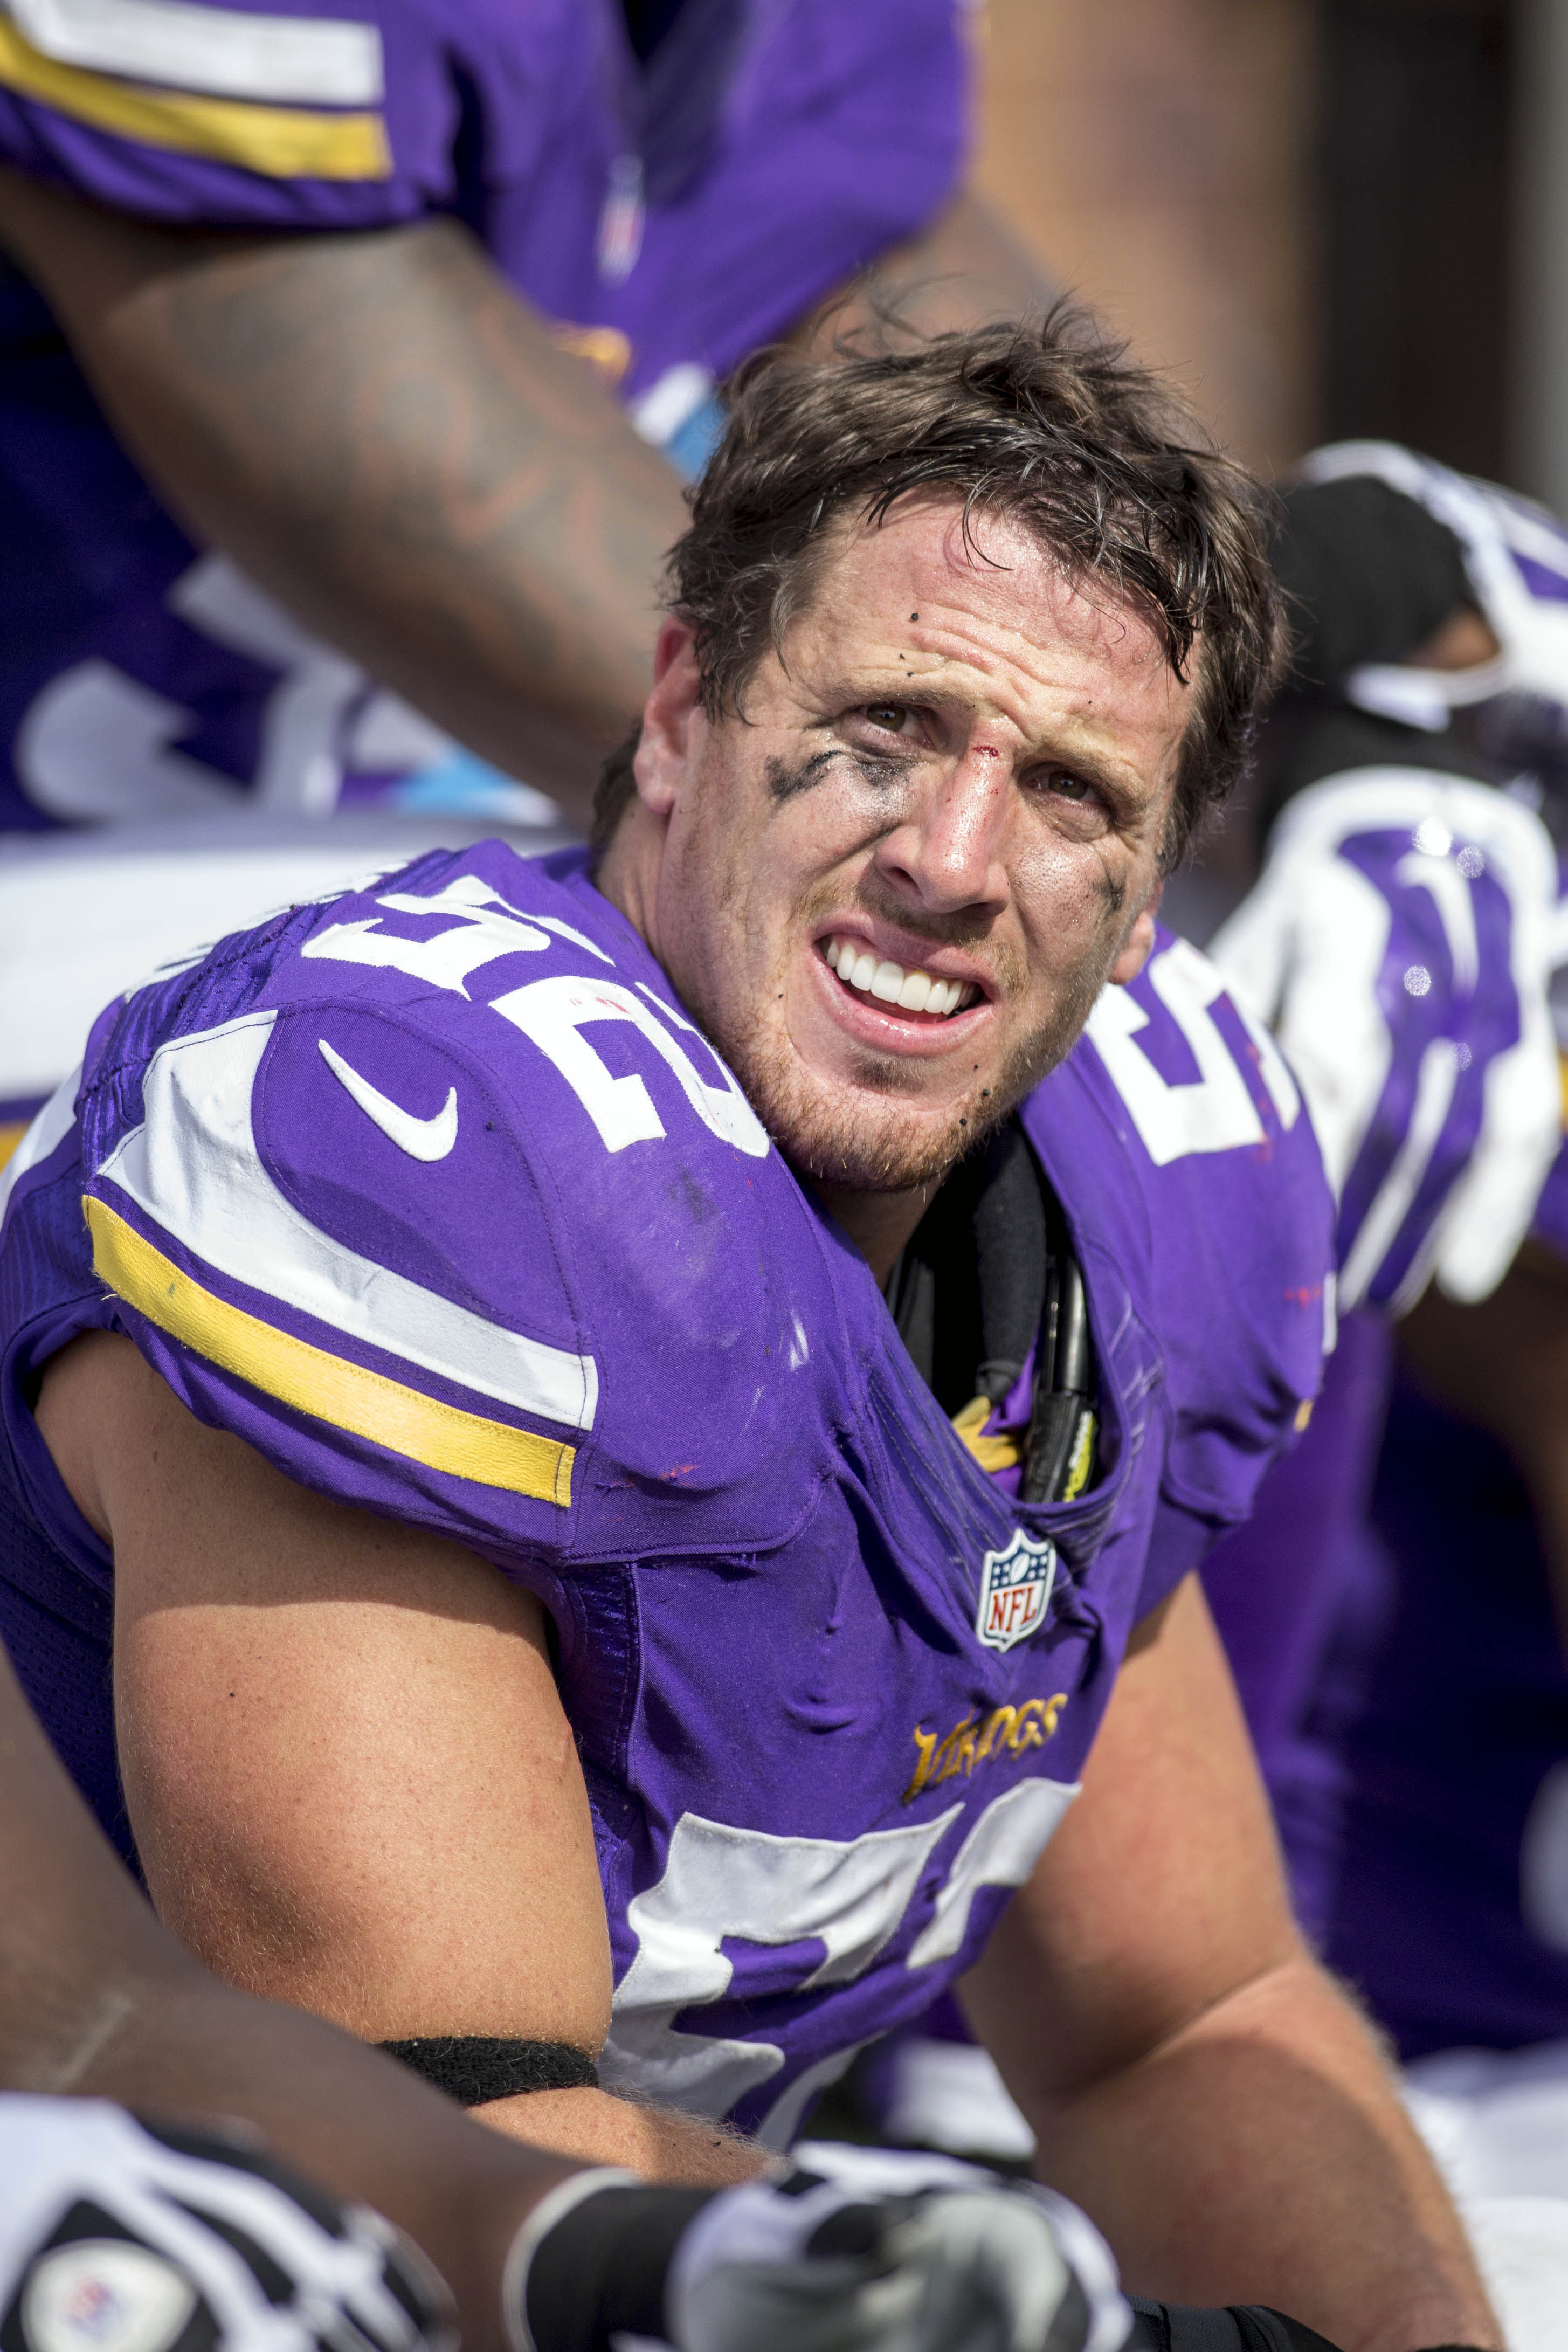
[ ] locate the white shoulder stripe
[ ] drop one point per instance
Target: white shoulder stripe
(194, 1167)
(224, 52)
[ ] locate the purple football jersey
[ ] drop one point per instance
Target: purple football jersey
(669, 216)
(1443, 1702)
(1284, 1589)
(435, 1195)
(1388, 1614)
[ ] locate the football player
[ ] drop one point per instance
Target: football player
(630, 1570)
(1415, 1729)
(1433, 665)
(1390, 1618)
(331, 351)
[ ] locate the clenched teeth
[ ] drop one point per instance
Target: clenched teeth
(912, 991)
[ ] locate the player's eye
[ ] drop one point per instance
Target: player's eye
(1066, 784)
(892, 717)
(1078, 801)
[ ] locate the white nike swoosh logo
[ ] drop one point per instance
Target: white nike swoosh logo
(421, 1138)
(195, 1169)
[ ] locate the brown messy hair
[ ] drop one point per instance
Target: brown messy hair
(1048, 427)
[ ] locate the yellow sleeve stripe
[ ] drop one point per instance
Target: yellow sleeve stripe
(11, 1130)
(367, 1405)
(284, 142)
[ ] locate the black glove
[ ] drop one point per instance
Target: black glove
(1239, 2327)
(1368, 574)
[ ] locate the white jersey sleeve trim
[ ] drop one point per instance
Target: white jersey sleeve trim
(224, 52)
(193, 1168)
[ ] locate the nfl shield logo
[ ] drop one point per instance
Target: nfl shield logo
(1015, 1591)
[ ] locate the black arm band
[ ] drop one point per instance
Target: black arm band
(1238, 2327)
(474, 2068)
(600, 2273)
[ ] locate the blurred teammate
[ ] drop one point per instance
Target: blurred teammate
(1390, 1616)
(328, 365)
(470, 1255)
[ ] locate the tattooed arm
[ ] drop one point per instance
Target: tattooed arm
(385, 434)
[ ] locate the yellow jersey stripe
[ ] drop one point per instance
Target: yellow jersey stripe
(365, 1403)
(283, 142)
(11, 1130)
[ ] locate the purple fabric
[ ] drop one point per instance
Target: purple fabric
(765, 1580)
(1423, 1000)
(831, 134)
(1544, 580)
(1279, 1585)
(1447, 1703)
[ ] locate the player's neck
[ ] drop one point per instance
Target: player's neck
(878, 1223)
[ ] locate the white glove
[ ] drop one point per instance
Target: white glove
(905, 2253)
(1398, 944)
(857, 2250)
(119, 2236)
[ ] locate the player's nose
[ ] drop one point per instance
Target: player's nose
(949, 852)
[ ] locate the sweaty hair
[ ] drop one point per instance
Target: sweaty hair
(1047, 426)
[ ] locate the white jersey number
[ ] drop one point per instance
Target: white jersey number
(1213, 1112)
(848, 1896)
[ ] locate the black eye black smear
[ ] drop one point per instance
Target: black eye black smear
(785, 782)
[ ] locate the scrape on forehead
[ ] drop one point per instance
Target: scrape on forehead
(926, 575)
(988, 621)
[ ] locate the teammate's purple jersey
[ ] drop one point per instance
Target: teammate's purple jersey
(669, 217)
(1449, 1713)
(1389, 1617)
(435, 1196)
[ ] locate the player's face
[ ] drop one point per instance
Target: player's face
(894, 891)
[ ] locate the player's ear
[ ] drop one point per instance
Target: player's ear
(1139, 942)
(672, 718)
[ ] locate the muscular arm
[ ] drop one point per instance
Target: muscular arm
(1195, 2081)
(384, 434)
(95, 1998)
(345, 1763)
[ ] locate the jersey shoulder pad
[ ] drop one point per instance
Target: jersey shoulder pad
(1215, 1138)
(458, 1218)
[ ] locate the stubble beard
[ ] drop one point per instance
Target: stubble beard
(868, 1133)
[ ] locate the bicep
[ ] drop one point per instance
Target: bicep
(1161, 1893)
(345, 1761)
(386, 436)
